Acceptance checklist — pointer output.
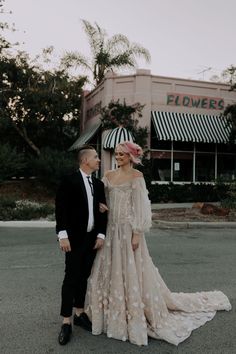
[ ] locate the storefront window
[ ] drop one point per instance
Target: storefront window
(161, 169)
(226, 148)
(205, 167)
(226, 167)
(183, 166)
(183, 146)
(161, 144)
(205, 147)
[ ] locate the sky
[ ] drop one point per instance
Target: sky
(186, 38)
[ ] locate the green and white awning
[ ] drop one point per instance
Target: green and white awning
(191, 127)
(86, 136)
(116, 136)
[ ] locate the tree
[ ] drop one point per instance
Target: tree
(229, 75)
(38, 107)
(107, 53)
(42, 106)
(11, 162)
(230, 111)
(230, 114)
(117, 114)
(4, 43)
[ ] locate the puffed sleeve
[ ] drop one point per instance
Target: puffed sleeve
(141, 207)
(106, 183)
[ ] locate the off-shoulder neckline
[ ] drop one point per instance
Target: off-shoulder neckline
(121, 184)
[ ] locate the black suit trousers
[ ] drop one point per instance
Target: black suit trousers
(78, 265)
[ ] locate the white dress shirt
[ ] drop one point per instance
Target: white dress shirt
(63, 234)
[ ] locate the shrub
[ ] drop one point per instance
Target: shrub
(164, 193)
(7, 202)
(51, 165)
(24, 210)
(230, 200)
(12, 163)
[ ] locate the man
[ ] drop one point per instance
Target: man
(81, 231)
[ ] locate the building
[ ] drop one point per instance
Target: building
(187, 136)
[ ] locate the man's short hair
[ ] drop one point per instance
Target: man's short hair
(82, 151)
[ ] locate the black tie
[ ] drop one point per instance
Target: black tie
(90, 184)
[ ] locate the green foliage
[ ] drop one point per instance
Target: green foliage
(181, 193)
(117, 114)
(11, 209)
(230, 200)
(12, 163)
(7, 202)
(228, 203)
(38, 106)
(51, 165)
(175, 193)
(230, 114)
(4, 43)
(229, 75)
(107, 54)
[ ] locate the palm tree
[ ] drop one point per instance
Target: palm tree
(107, 53)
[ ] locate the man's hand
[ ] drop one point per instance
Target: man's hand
(65, 245)
(102, 208)
(135, 241)
(98, 244)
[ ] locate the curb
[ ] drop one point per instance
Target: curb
(32, 223)
(161, 224)
(156, 224)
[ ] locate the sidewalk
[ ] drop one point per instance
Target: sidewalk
(175, 205)
(28, 223)
(188, 224)
(156, 223)
(156, 206)
(161, 224)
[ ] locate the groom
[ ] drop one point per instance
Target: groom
(81, 231)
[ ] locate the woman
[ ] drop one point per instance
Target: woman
(126, 297)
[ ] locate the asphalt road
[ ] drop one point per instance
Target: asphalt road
(31, 272)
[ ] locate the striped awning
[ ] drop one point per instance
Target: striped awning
(116, 136)
(86, 136)
(191, 127)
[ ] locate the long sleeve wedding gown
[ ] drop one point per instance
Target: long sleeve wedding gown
(126, 297)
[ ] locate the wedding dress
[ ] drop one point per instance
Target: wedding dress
(126, 297)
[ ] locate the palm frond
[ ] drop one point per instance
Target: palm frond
(75, 59)
(140, 51)
(118, 40)
(96, 36)
(123, 60)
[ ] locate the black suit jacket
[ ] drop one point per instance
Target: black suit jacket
(72, 209)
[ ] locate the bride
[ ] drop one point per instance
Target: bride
(126, 296)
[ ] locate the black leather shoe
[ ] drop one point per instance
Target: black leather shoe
(83, 321)
(65, 333)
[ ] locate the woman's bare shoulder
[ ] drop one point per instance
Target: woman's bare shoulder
(137, 173)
